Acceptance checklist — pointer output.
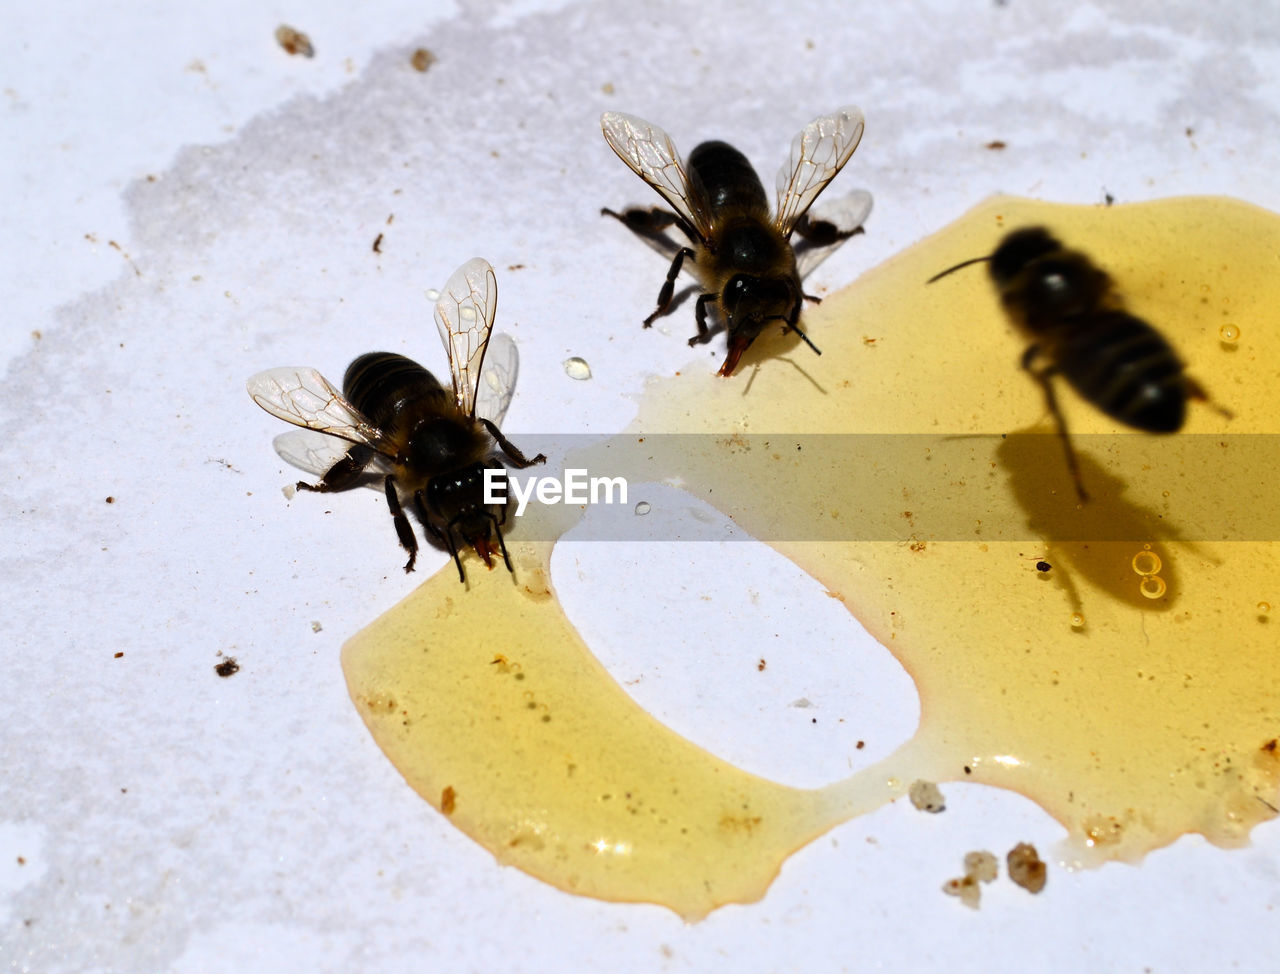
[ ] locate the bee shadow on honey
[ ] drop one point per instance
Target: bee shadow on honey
(1112, 542)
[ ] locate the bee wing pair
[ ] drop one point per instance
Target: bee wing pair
(817, 154)
(464, 316)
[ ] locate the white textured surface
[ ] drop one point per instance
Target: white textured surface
(169, 819)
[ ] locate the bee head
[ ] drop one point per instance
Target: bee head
(749, 303)
(1018, 249)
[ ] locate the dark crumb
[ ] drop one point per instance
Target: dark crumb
(111, 500)
(228, 667)
(1271, 745)
(861, 745)
(119, 655)
(448, 800)
(1107, 198)
(422, 59)
(294, 41)
(968, 770)
(1190, 131)
(996, 146)
(377, 244)
(21, 861)
(761, 665)
(515, 267)
(1043, 566)
(1025, 867)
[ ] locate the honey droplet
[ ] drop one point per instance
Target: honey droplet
(1147, 563)
(1152, 586)
(643, 508)
(577, 368)
(1229, 334)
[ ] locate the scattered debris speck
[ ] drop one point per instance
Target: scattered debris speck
(315, 625)
(422, 59)
(228, 667)
(925, 796)
(979, 867)
(448, 800)
(288, 490)
(294, 41)
(1026, 868)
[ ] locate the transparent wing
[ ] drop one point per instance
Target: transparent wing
(497, 379)
(817, 154)
(652, 155)
(846, 214)
(314, 452)
(304, 397)
(464, 315)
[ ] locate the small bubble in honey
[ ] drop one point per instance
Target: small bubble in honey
(1152, 587)
(1229, 334)
(1077, 621)
(1147, 563)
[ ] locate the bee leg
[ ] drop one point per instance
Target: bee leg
(445, 537)
(669, 286)
(344, 474)
(652, 225)
(1196, 391)
(403, 529)
(509, 448)
(823, 233)
(700, 316)
(1044, 377)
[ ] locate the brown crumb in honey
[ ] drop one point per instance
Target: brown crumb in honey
(448, 800)
(926, 796)
(228, 667)
(966, 889)
(294, 41)
(1026, 868)
(761, 665)
(979, 867)
(421, 59)
(982, 866)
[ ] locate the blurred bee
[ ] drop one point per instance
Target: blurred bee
(1068, 307)
(431, 446)
(742, 256)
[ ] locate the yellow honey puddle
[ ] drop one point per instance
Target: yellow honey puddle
(1133, 691)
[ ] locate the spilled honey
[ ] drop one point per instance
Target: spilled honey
(1131, 687)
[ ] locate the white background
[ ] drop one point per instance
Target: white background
(167, 819)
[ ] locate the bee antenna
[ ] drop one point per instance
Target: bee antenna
(805, 338)
(501, 543)
(952, 270)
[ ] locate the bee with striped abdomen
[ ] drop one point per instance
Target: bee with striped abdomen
(742, 255)
(432, 445)
(1070, 310)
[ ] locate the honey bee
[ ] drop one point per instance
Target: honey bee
(742, 256)
(1070, 310)
(431, 446)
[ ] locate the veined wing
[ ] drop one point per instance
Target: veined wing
(304, 397)
(464, 315)
(652, 156)
(497, 379)
(316, 452)
(817, 154)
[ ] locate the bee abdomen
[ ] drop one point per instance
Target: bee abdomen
(727, 178)
(380, 383)
(1126, 368)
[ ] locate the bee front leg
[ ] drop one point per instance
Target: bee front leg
(509, 448)
(403, 529)
(344, 474)
(669, 286)
(700, 316)
(1198, 392)
(652, 224)
(1044, 377)
(445, 537)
